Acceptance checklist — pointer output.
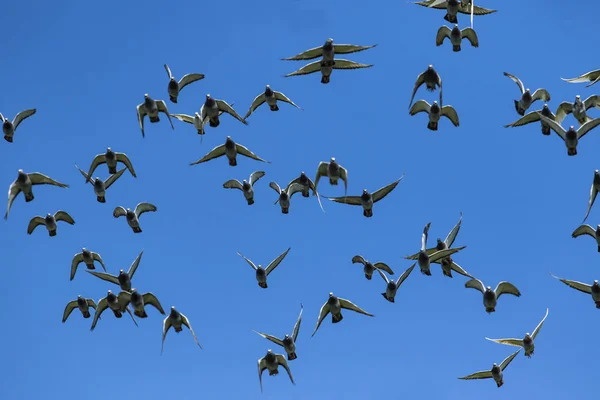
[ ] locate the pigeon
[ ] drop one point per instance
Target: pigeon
(262, 273)
(50, 222)
(447, 263)
(424, 259)
(133, 216)
(9, 127)
(534, 116)
(174, 87)
(366, 199)
(369, 267)
(328, 51)
(87, 257)
(593, 193)
(176, 319)
(111, 158)
(100, 187)
(270, 97)
(495, 372)
(124, 278)
(212, 109)
(151, 108)
(307, 184)
(490, 297)
(588, 230)
(246, 186)
(453, 7)
(138, 301)
(431, 79)
(334, 305)
(117, 305)
(24, 183)
(592, 76)
(333, 171)
(327, 69)
(195, 120)
(289, 341)
(456, 36)
(593, 289)
(230, 149)
(527, 342)
(527, 99)
(435, 113)
(272, 361)
(391, 286)
(83, 305)
(571, 136)
(285, 196)
(578, 108)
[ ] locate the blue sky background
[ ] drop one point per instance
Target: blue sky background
(85, 66)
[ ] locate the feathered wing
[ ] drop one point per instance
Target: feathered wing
(186, 322)
(162, 107)
(189, 78)
(262, 365)
(283, 362)
(99, 159)
(69, 309)
(167, 323)
(420, 80)
(449, 241)
(297, 324)
(517, 81)
(592, 198)
(508, 359)
(141, 113)
(509, 342)
(478, 375)
(223, 106)
(77, 259)
(122, 157)
(506, 288)
(475, 284)
(214, 153)
(41, 179)
(233, 184)
(591, 76)
(540, 94)
(588, 126)
(539, 326)
(64, 216)
(348, 305)
(556, 127)
(273, 264)
(442, 34)
(528, 118)
(34, 223)
(307, 55)
(450, 113)
(150, 298)
(307, 69)
(119, 211)
(352, 200)
(405, 275)
(113, 178)
(258, 101)
(563, 110)
(350, 48)
(143, 208)
(13, 191)
(134, 265)
(384, 191)
(384, 266)
(322, 314)
(243, 150)
(470, 35)
(254, 267)
(21, 116)
(584, 230)
(255, 176)
(582, 287)
(102, 305)
(272, 338)
(420, 106)
(347, 64)
(105, 277)
(282, 97)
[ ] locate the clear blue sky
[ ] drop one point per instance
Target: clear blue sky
(86, 66)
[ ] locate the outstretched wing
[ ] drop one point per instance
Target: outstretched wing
(64, 216)
(452, 234)
(119, 212)
(322, 314)
(582, 287)
(475, 284)
(307, 55)
(509, 342)
(539, 326)
(584, 230)
(442, 33)
(186, 322)
(214, 153)
(105, 276)
(144, 207)
(243, 150)
(508, 359)
(528, 118)
(69, 309)
(420, 106)
(189, 78)
(34, 223)
(40, 179)
(248, 261)
(517, 81)
(506, 288)
(233, 184)
(272, 338)
(21, 116)
(340, 63)
(307, 69)
(478, 375)
(352, 200)
(297, 324)
(282, 97)
(283, 362)
(384, 191)
(273, 264)
(134, 265)
(348, 305)
(223, 106)
(258, 101)
(255, 176)
(122, 157)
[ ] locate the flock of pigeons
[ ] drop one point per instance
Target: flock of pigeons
(211, 111)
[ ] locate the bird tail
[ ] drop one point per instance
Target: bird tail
(453, 19)
(52, 233)
(173, 99)
(390, 299)
(274, 107)
(137, 229)
(325, 79)
(101, 199)
(456, 47)
(9, 139)
(336, 318)
(154, 119)
(432, 125)
(214, 122)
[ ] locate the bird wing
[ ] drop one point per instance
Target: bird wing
(255, 176)
(405, 275)
(307, 55)
(257, 102)
(584, 230)
(273, 264)
(13, 191)
(424, 236)
(592, 101)
(348, 305)
(539, 326)
(593, 194)
(528, 118)
(166, 326)
(294, 188)
(134, 265)
(248, 261)
(282, 361)
(321, 171)
(439, 255)
(297, 324)
(223, 106)
(150, 298)
(541, 94)
(189, 78)
(458, 269)
(563, 110)
(508, 359)
(587, 77)
(214, 153)
(64, 216)
(34, 223)
(588, 126)
(478, 375)
(112, 179)
(262, 365)
(556, 127)
(233, 184)
(119, 211)
(77, 258)
(97, 257)
(420, 106)
(40, 179)
(243, 150)
(350, 48)
(143, 208)
(307, 69)
(141, 113)
(359, 259)
(450, 113)
(384, 191)
(99, 159)
(470, 35)
(102, 305)
(282, 97)
(582, 287)
(420, 80)
(384, 266)
(509, 342)
(322, 314)
(506, 288)
(86, 176)
(186, 322)
(69, 309)
(340, 63)
(452, 234)
(344, 177)
(105, 276)
(168, 71)
(383, 276)
(122, 157)
(469, 9)
(442, 34)
(475, 283)
(352, 200)
(433, 4)
(21, 116)
(517, 81)
(91, 303)
(162, 107)
(272, 338)
(275, 187)
(184, 118)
